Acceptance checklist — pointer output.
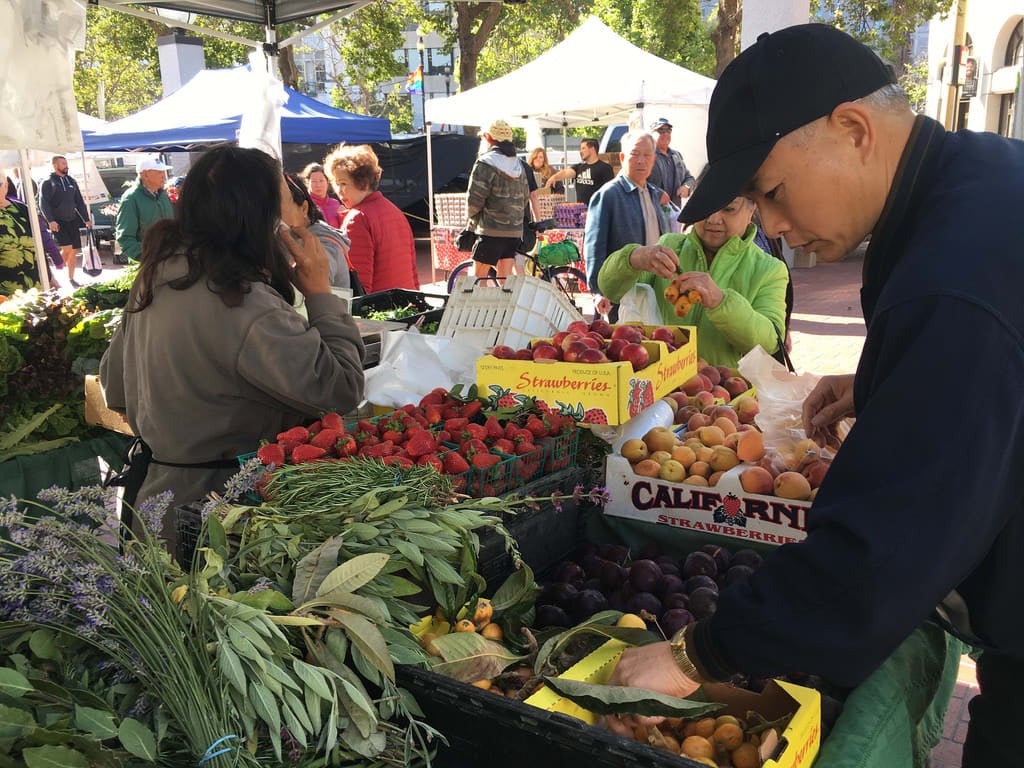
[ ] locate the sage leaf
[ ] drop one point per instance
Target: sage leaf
(368, 639)
(265, 600)
(519, 587)
(43, 643)
(97, 722)
(137, 739)
(312, 678)
(54, 757)
(312, 569)
(265, 705)
(13, 683)
(359, 709)
(368, 606)
(409, 551)
(299, 710)
(430, 543)
(441, 570)
(231, 668)
(215, 532)
(354, 573)
(470, 657)
(362, 531)
(15, 721)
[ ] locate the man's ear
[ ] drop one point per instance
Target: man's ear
(856, 128)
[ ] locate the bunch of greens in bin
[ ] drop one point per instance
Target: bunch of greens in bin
(395, 313)
(109, 295)
(89, 339)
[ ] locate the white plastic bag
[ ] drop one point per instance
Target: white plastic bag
(639, 305)
(412, 364)
(780, 395)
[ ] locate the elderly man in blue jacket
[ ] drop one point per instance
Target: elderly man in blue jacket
(836, 154)
(625, 210)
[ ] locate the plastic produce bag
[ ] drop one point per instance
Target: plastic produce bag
(640, 305)
(780, 395)
(413, 363)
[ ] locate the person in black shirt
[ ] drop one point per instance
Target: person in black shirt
(592, 174)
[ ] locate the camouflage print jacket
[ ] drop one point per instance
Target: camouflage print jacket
(497, 197)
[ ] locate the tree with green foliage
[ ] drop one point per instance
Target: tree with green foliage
(725, 34)
(671, 30)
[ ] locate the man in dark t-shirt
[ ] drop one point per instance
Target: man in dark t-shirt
(592, 174)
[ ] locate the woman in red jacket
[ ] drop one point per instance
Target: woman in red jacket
(382, 250)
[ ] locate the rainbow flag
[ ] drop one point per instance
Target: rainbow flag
(414, 83)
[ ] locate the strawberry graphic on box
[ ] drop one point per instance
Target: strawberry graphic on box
(503, 397)
(729, 512)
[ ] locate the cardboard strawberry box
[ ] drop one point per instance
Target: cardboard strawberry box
(602, 393)
(724, 510)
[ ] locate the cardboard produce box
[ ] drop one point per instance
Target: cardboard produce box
(97, 413)
(724, 510)
(799, 743)
(606, 393)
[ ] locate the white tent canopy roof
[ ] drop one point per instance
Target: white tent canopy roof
(593, 77)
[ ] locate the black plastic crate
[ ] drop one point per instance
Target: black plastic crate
(510, 734)
(188, 524)
(397, 298)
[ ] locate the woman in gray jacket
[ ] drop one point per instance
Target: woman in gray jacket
(210, 357)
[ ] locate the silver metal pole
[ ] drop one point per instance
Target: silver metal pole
(33, 220)
(430, 199)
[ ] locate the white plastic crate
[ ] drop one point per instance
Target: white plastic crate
(451, 210)
(525, 308)
(545, 205)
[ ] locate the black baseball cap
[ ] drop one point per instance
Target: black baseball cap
(785, 80)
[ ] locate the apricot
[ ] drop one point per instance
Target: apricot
(724, 411)
(697, 747)
(711, 435)
(715, 477)
(732, 441)
(704, 453)
(705, 727)
(634, 450)
(745, 756)
(693, 443)
(661, 456)
(757, 480)
(728, 426)
(792, 485)
(647, 468)
(750, 446)
(815, 472)
(723, 459)
(672, 471)
(684, 454)
(659, 439)
(701, 468)
(696, 480)
(729, 735)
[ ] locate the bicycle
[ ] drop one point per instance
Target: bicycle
(551, 265)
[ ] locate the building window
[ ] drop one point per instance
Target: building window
(1014, 57)
(437, 61)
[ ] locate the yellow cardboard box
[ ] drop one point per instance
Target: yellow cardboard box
(800, 740)
(97, 413)
(605, 393)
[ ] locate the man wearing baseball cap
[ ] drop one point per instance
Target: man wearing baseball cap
(670, 172)
(145, 203)
(921, 515)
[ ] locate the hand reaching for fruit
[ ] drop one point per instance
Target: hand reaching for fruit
(681, 301)
(694, 287)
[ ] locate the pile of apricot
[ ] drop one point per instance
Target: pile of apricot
(712, 741)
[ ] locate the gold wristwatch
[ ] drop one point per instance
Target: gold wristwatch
(678, 646)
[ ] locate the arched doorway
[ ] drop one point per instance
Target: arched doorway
(1014, 57)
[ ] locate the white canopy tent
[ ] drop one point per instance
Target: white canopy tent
(593, 77)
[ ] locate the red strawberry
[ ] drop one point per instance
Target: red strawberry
(524, 447)
(504, 445)
(346, 446)
(333, 421)
(485, 460)
(536, 427)
(295, 435)
(556, 423)
(472, 408)
(476, 431)
(408, 408)
(420, 444)
(469, 448)
(510, 430)
(271, 453)
(434, 397)
(393, 435)
(289, 445)
(315, 427)
(378, 451)
(444, 436)
(304, 453)
(454, 464)
(365, 425)
(399, 461)
(431, 460)
(455, 426)
(326, 439)
(493, 429)
(432, 414)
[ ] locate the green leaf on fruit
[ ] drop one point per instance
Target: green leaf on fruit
(601, 624)
(469, 657)
(622, 700)
(519, 587)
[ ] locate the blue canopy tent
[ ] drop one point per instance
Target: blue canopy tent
(208, 110)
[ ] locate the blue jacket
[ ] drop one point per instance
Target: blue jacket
(924, 503)
(615, 219)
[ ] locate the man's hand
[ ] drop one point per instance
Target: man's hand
(710, 294)
(88, 224)
(54, 226)
(656, 259)
(683, 191)
(830, 402)
(603, 305)
(650, 667)
(311, 271)
(665, 199)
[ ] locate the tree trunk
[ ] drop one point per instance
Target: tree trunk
(470, 42)
(726, 33)
(286, 64)
(901, 48)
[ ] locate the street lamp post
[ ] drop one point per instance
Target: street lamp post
(447, 81)
(421, 49)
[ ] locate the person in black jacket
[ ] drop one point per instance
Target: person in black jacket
(921, 516)
(64, 208)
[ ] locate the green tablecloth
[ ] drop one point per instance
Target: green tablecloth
(73, 466)
(891, 720)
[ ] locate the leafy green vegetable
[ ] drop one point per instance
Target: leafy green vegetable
(622, 700)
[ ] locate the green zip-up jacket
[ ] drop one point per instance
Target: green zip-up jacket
(139, 209)
(753, 286)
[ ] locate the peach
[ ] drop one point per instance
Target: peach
(721, 393)
(711, 373)
(701, 468)
(728, 426)
(693, 385)
(746, 408)
(815, 472)
(724, 372)
(684, 454)
(659, 439)
(702, 399)
(750, 446)
(661, 456)
(725, 411)
(672, 471)
(723, 458)
(715, 477)
(634, 450)
(757, 480)
(704, 453)
(792, 485)
(696, 480)
(736, 385)
(711, 435)
(647, 468)
(693, 443)
(732, 440)
(698, 421)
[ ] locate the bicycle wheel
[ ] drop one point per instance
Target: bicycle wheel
(569, 281)
(465, 268)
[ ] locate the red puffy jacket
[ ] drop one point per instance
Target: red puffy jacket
(382, 251)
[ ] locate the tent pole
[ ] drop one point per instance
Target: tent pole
(430, 199)
(33, 220)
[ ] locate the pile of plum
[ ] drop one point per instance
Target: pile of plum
(668, 593)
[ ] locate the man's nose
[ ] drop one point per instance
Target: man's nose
(773, 223)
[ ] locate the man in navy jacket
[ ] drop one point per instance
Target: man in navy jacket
(922, 513)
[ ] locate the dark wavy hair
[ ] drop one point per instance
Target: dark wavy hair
(301, 195)
(225, 224)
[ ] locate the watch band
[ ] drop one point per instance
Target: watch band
(678, 646)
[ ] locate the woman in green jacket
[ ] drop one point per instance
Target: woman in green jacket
(742, 289)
